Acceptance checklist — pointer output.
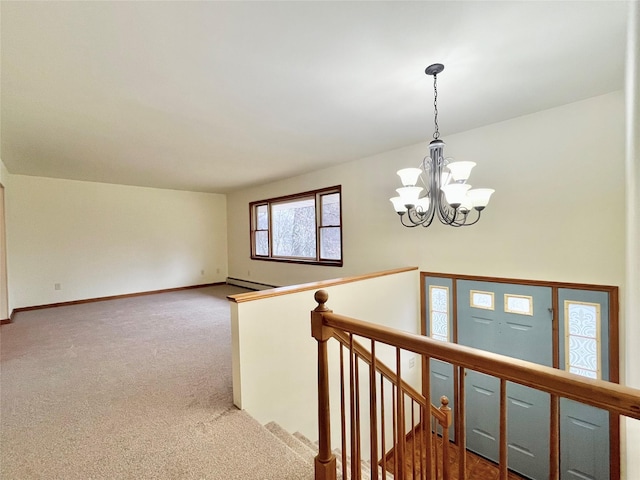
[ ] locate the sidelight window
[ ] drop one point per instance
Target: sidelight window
(582, 338)
(439, 312)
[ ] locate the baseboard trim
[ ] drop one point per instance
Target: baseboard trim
(5, 321)
(256, 286)
(111, 297)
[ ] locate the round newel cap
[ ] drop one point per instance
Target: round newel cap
(444, 401)
(321, 296)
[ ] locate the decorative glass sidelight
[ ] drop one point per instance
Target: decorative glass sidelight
(439, 312)
(582, 338)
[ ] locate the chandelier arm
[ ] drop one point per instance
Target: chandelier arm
(458, 225)
(433, 187)
(429, 218)
(438, 163)
(415, 218)
(460, 219)
(446, 212)
(466, 216)
(410, 225)
(474, 222)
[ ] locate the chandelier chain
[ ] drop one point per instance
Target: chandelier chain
(436, 134)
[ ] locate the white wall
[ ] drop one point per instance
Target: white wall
(4, 298)
(99, 240)
(631, 331)
(4, 173)
(557, 214)
(275, 357)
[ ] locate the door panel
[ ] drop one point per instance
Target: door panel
(584, 441)
(442, 384)
(584, 430)
(483, 414)
(527, 454)
(495, 326)
(528, 440)
(527, 337)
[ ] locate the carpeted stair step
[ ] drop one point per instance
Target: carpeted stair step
(312, 445)
(365, 468)
(308, 450)
(303, 450)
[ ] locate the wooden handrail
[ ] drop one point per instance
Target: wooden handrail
(288, 290)
(390, 375)
(598, 393)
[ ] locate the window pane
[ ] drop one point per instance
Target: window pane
(262, 221)
(582, 350)
(439, 308)
(262, 243)
(331, 209)
(583, 353)
(294, 228)
(439, 326)
(330, 243)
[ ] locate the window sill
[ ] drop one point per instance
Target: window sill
(326, 263)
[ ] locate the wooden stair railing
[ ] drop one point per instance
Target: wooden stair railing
(441, 415)
(325, 325)
(421, 412)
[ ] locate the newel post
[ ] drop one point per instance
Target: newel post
(325, 461)
(444, 408)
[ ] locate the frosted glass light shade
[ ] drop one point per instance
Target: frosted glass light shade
(460, 171)
(409, 195)
(480, 197)
(398, 204)
(455, 193)
(409, 176)
(422, 205)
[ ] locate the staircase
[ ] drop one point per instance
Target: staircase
(307, 451)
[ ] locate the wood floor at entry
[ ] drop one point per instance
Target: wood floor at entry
(478, 468)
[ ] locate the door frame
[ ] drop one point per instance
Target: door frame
(614, 339)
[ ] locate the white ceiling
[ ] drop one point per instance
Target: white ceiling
(214, 96)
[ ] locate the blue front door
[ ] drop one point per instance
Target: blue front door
(517, 320)
(513, 320)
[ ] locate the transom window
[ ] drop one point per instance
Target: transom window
(301, 228)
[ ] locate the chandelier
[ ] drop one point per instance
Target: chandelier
(447, 193)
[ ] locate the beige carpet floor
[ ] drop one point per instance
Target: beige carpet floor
(135, 388)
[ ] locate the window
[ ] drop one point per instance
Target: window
(439, 312)
(582, 338)
(301, 228)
